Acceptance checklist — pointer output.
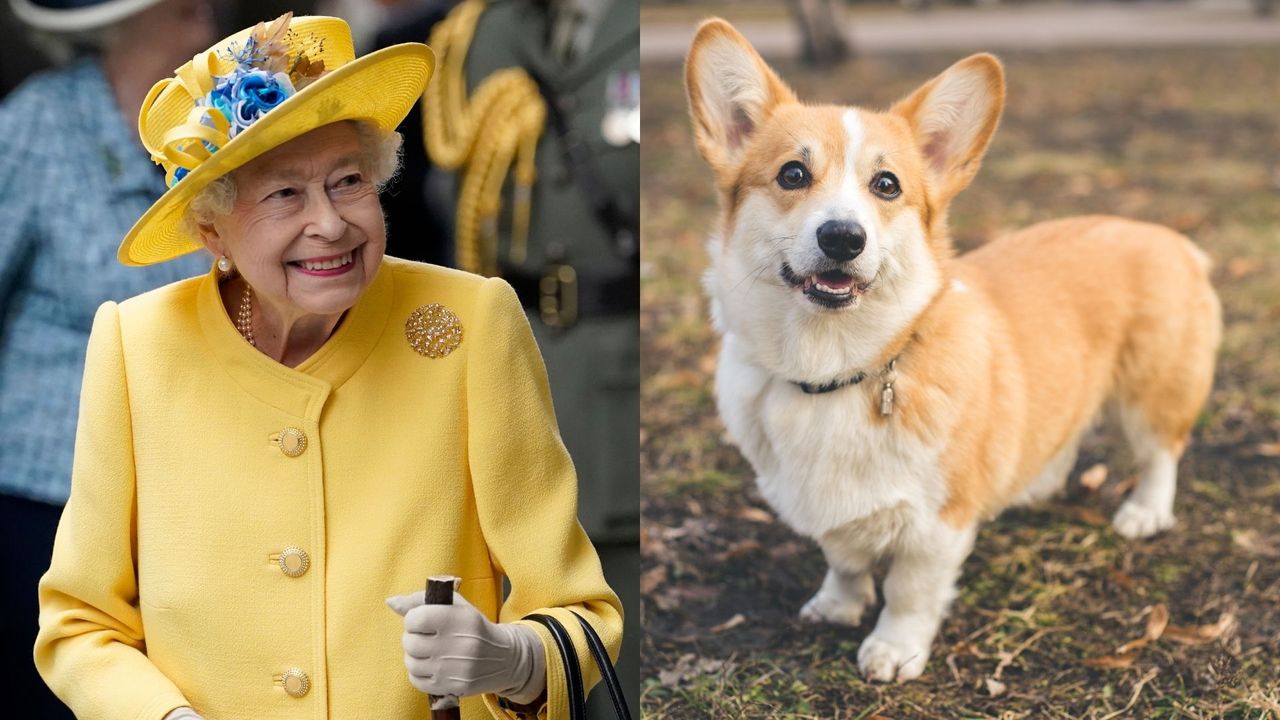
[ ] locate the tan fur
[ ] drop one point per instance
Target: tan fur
(1091, 307)
(1061, 315)
(1003, 356)
(711, 138)
(946, 178)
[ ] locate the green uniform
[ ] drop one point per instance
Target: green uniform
(594, 364)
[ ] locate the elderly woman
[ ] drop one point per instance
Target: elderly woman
(267, 452)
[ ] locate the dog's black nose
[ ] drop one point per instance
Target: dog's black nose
(841, 241)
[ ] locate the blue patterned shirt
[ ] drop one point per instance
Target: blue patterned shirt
(73, 179)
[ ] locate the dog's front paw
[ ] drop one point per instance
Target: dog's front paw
(1135, 520)
(883, 661)
(832, 608)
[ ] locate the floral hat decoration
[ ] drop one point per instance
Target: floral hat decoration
(252, 92)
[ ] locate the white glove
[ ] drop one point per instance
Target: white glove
(455, 650)
(183, 713)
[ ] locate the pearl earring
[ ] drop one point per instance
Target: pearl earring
(224, 264)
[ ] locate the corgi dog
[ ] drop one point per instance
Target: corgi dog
(889, 395)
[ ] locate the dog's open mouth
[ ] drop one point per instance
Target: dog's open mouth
(830, 288)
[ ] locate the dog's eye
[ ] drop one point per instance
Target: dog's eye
(885, 184)
(793, 176)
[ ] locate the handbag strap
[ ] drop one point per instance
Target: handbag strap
(607, 671)
(573, 671)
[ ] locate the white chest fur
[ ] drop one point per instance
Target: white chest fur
(821, 461)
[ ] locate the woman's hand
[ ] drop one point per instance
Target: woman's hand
(183, 713)
(455, 650)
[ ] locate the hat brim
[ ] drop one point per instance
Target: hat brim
(89, 17)
(381, 87)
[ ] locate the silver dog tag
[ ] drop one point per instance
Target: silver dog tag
(886, 400)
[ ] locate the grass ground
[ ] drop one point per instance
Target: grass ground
(1189, 138)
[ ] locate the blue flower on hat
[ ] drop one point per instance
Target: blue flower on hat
(220, 99)
(262, 89)
(242, 97)
(232, 89)
(249, 95)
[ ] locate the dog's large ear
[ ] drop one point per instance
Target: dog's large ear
(953, 117)
(731, 91)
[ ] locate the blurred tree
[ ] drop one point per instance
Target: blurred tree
(822, 31)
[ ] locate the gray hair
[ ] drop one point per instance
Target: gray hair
(379, 160)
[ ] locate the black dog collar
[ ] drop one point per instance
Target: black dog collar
(812, 389)
(889, 375)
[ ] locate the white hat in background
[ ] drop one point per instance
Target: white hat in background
(75, 15)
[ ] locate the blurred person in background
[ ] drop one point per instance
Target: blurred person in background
(419, 221)
(73, 179)
(367, 18)
(535, 112)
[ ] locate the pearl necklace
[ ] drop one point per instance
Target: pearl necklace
(244, 318)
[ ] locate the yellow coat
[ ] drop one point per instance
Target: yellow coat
(166, 586)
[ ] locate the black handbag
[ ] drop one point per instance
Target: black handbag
(573, 671)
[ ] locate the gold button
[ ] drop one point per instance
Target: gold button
(295, 682)
(294, 561)
(291, 441)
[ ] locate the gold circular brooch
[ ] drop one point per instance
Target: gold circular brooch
(433, 331)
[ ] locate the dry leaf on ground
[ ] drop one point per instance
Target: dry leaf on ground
(729, 624)
(652, 578)
(1088, 516)
(1201, 634)
(1112, 661)
(673, 596)
(787, 549)
(754, 514)
(1156, 623)
(1121, 578)
(1253, 542)
(1093, 478)
(738, 549)
(690, 666)
(1120, 489)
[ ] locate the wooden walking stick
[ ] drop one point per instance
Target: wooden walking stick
(440, 592)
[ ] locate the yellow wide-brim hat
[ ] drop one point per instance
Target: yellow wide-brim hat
(196, 142)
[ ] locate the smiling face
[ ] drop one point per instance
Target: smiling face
(306, 230)
(828, 198)
(833, 233)
(835, 202)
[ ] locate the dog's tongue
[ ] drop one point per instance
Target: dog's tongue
(835, 279)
